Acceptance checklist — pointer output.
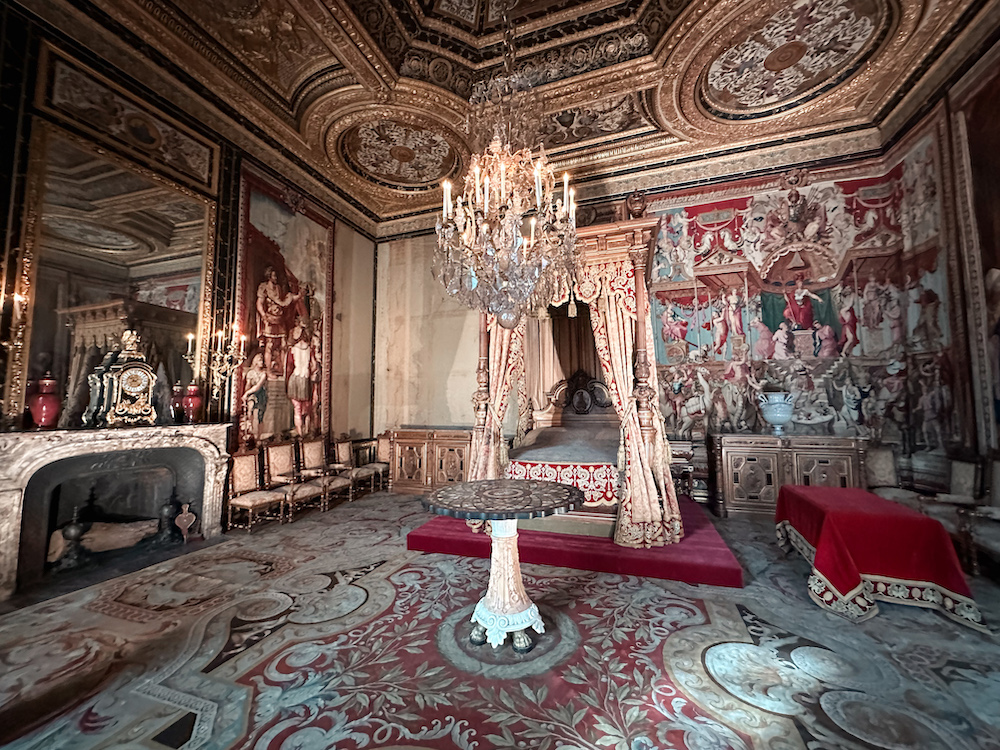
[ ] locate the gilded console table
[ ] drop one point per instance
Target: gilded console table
(748, 470)
(506, 607)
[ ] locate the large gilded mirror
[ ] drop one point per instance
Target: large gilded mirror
(111, 247)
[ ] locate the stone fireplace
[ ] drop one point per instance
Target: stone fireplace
(43, 475)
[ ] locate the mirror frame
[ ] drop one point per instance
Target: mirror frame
(25, 261)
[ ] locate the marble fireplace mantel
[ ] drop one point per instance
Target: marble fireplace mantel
(24, 453)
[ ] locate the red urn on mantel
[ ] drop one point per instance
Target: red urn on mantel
(177, 404)
(192, 404)
(45, 404)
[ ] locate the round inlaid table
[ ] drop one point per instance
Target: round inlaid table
(506, 607)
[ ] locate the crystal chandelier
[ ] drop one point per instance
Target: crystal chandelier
(507, 244)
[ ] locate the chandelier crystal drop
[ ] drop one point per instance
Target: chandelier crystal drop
(507, 243)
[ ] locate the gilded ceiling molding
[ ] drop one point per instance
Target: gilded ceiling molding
(678, 102)
(356, 49)
(634, 75)
(72, 21)
(776, 58)
(179, 49)
(546, 20)
(318, 117)
(584, 58)
(934, 26)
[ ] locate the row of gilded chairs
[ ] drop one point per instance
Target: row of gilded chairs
(275, 481)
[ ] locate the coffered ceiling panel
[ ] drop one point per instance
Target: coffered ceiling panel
(373, 93)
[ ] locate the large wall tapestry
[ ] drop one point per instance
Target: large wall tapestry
(285, 284)
(835, 290)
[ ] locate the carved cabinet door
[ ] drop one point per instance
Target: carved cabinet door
(449, 464)
(824, 470)
(409, 468)
(752, 479)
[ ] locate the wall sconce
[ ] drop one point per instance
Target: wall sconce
(190, 356)
(226, 358)
(18, 323)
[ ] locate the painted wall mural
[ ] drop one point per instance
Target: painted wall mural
(835, 290)
(285, 281)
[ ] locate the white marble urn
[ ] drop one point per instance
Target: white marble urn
(777, 408)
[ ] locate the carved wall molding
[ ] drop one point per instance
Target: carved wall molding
(27, 452)
(975, 288)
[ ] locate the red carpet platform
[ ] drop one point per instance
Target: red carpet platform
(701, 557)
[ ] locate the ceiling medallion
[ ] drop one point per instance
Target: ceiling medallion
(789, 56)
(398, 155)
(509, 241)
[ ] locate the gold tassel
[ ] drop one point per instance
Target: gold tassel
(621, 452)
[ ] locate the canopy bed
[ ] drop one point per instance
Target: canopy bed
(612, 256)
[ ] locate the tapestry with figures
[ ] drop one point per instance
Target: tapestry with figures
(835, 286)
(284, 283)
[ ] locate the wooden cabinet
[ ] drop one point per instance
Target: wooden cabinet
(423, 460)
(748, 470)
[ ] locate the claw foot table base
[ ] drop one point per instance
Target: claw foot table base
(506, 607)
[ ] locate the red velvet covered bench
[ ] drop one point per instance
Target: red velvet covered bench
(863, 548)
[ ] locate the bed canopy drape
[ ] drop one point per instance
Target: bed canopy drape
(614, 256)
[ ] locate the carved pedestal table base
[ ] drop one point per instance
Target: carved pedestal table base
(505, 608)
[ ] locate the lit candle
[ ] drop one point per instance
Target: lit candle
(190, 338)
(243, 345)
(538, 188)
(220, 334)
(503, 183)
(446, 199)
(486, 195)
(566, 191)
(531, 241)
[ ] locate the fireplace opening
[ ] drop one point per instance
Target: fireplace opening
(103, 503)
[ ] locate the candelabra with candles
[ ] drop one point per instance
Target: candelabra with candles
(225, 358)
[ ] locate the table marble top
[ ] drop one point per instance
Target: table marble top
(498, 499)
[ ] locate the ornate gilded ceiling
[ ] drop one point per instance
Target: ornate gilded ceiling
(638, 93)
